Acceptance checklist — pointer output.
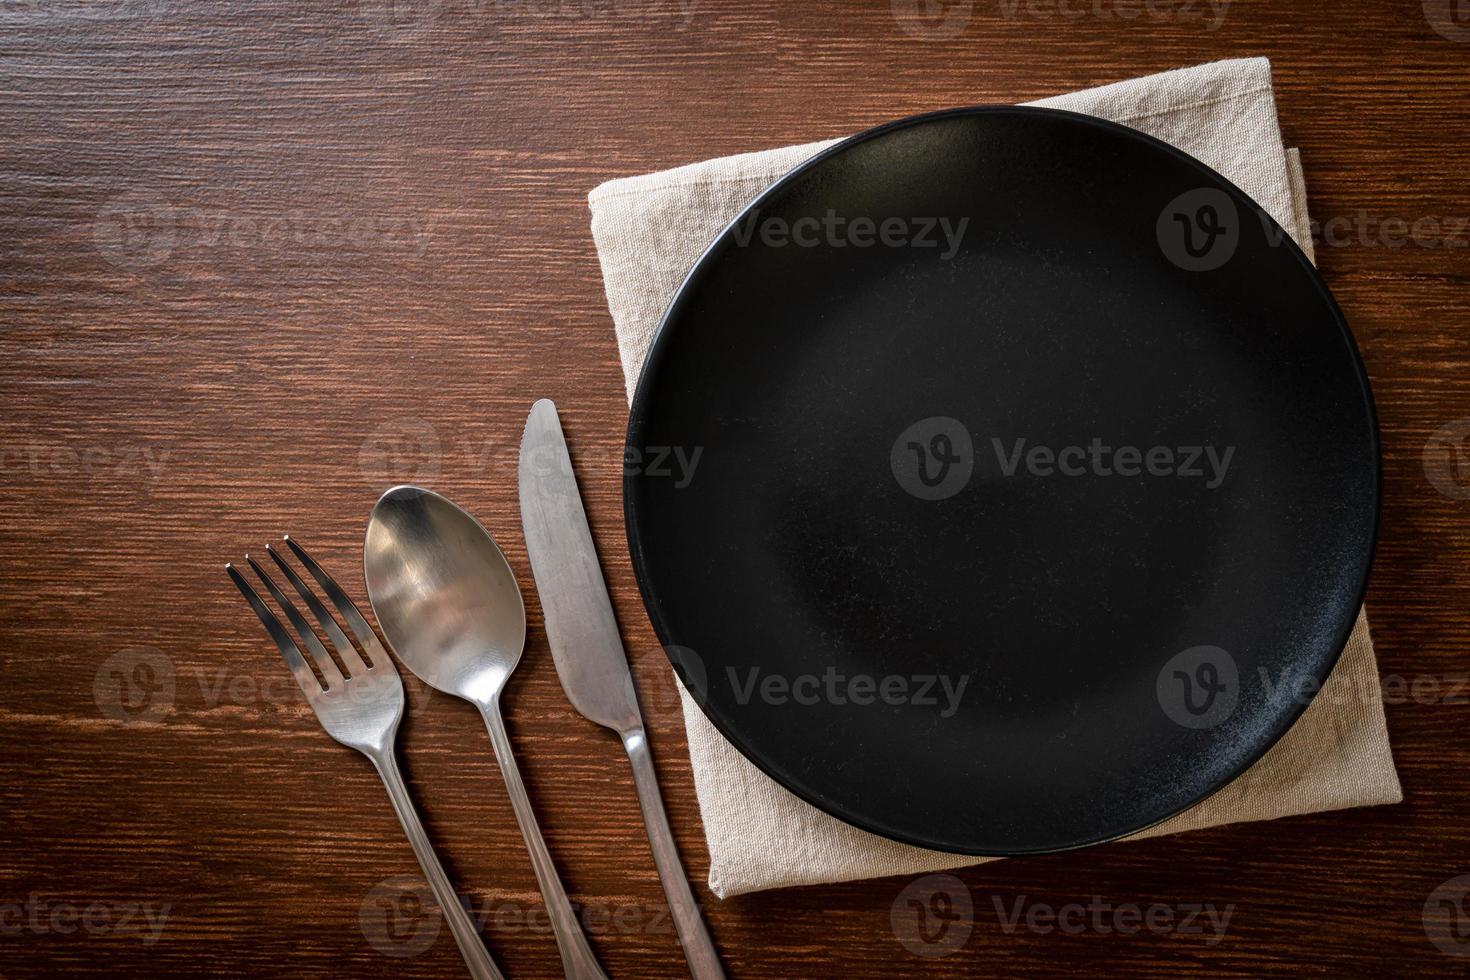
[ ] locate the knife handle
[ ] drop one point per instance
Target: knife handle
(699, 949)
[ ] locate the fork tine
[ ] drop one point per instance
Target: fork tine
(319, 655)
(345, 605)
(345, 649)
(310, 686)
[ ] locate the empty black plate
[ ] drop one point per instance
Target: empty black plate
(1003, 480)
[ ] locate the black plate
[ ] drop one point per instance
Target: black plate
(1127, 643)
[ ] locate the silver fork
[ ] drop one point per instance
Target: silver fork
(360, 708)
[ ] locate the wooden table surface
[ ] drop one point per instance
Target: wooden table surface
(261, 261)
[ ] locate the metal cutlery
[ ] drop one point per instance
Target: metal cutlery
(588, 651)
(451, 610)
(360, 705)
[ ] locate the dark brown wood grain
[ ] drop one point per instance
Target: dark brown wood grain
(358, 250)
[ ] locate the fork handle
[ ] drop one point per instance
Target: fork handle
(577, 959)
(476, 957)
(699, 948)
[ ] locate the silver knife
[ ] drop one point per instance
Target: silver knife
(588, 651)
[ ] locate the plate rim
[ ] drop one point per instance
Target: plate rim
(658, 349)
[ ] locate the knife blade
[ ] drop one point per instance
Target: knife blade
(580, 627)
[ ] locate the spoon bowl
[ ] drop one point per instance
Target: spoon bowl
(444, 594)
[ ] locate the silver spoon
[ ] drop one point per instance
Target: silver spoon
(450, 608)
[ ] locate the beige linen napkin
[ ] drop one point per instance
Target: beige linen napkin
(649, 231)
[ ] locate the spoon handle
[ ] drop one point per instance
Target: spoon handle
(577, 958)
(466, 936)
(699, 948)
